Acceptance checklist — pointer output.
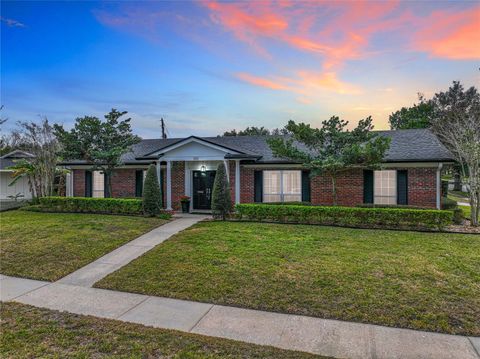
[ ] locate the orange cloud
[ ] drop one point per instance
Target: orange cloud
(304, 83)
(452, 36)
(261, 82)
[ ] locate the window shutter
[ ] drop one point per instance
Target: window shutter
(88, 183)
(106, 193)
(258, 186)
(367, 186)
(138, 183)
(306, 186)
(402, 187)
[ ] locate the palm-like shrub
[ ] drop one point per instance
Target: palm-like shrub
(152, 195)
(221, 201)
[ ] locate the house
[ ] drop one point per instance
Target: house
(21, 186)
(186, 166)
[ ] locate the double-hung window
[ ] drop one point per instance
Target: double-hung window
(98, 183)
(385, 187)
(282, 186)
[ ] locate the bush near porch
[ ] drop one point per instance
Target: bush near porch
(347, 216)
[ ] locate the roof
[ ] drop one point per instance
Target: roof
(9, 159)
(415, 145)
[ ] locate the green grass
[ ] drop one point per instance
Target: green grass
(427, 281)
(29, 332)
(467, 211)
(48, 246)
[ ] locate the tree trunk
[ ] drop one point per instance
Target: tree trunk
(334, 189)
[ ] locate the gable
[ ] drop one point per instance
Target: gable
(193, 150)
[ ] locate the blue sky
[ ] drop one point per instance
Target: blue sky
(207, 67)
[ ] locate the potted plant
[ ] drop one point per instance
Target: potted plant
(185, 201)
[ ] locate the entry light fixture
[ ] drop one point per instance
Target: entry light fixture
(203, 168)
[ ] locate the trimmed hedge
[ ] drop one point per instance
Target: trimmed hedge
(347, 216)
(92, 205)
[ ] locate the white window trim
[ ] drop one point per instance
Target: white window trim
(282, 193)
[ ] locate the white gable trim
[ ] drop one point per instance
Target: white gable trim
(188, 140)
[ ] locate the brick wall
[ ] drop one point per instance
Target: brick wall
(349, 189)
(78, 183)
(422, 187)
(178, 183)
(123, 183)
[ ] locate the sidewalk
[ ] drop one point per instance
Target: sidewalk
(340, 339)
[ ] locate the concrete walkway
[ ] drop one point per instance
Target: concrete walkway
(90, 274)
(295, 332)
(335, 338)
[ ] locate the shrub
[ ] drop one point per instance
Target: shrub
(91, 205)
(152, 195)
(448, 203)
(403, 206)
(221, 201)
(347, 216)
(458, 215)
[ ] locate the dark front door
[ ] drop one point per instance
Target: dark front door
(202, 189)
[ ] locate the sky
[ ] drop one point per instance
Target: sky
(210, 66)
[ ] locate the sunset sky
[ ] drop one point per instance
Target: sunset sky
(208, 66)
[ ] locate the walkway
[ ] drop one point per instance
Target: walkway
(113, 261)
(295, 332)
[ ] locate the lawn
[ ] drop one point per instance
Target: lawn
(48, 246)
(427, 281)
(29, 332)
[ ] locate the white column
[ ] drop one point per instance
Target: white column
(69, 185)
(159, 174)
(227, 169)
(169, 185)
(237, 181)
(439, 186)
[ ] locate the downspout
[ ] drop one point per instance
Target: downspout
(439, 186)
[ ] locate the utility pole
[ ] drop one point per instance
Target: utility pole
(164, 134)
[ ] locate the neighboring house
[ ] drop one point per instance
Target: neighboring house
(21, 185)
(411, 173)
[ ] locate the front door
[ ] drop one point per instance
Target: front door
(202, 189)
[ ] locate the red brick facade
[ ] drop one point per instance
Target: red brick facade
(421, 186)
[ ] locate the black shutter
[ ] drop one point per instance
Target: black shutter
(367, 186)
(106, 192)
(88, 183)
(258, 186)
(138, 183)
(402, 187)
(305, 186)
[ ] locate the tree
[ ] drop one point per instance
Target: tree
(417, 116)
(39, 140)
(101, 143)
(221, 201)
(331, 149)
(249, 131)
(456, 122)
(152, 195)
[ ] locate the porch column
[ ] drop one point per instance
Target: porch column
(169, 185)
(237, 181)
(158, 174)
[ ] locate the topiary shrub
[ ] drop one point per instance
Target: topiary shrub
(152, 195)
(221, 201)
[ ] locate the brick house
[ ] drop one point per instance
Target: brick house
(186, 166)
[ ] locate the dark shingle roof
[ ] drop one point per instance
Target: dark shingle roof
(415, 145)
(9, 159)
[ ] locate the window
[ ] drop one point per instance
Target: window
(385, 187)
(282, 186)
(98, 184)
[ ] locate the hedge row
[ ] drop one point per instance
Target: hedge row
(92, 205)
(347, 216)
